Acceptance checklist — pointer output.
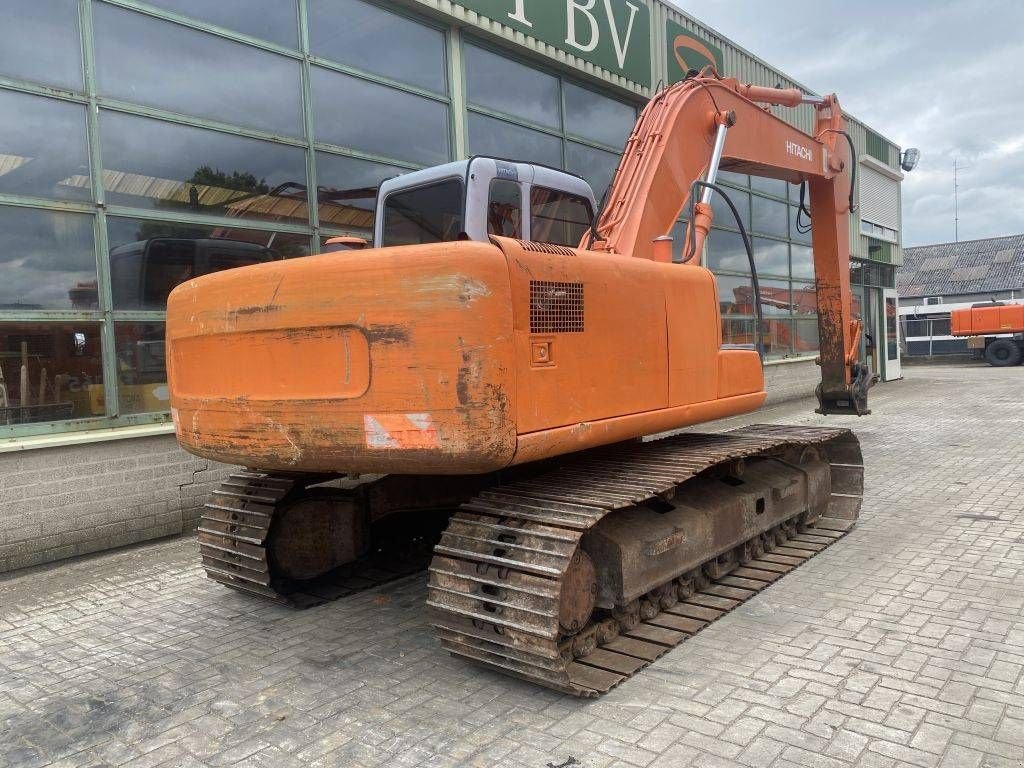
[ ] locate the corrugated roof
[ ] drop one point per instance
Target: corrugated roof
(970, 266)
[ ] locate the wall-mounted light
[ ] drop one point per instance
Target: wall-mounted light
(910, 158)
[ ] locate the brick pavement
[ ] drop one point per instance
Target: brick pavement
(903, 645)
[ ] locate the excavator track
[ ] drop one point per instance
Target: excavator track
(498, 575)
(234, 531)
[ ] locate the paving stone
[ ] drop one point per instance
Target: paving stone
(902, 645)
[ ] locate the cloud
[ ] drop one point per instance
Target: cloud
(944, 77)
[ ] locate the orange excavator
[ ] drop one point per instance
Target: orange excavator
(477, 389)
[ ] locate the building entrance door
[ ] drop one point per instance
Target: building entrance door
(889, 348)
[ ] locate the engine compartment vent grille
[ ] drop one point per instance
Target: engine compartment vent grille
(555, 250)
(556, 307)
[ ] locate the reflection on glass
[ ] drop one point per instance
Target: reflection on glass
(596, 117)
(805, 336)
(390, 123)
(558, 217)
(273, 20)
(50, 372)
(148, 258)
(525, 93)
(777, 337)
(47, 260)
(40, 41)
(736, 296)
(803, 261)
(726, 252)
(365, 37)
(497, 138)
(775, 187)
(347, 191)
(738, 331)
(736, 179)
(31, 127)
(141, 371)
(723, 214)
(769, 217)
(594, 165)
(799, 226)
(431, 214)
(771, 257)
(161, 64)
(201, 171)
(805, 299)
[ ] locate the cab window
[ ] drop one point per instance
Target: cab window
(504, 209)
(428, 214)
(559, 218)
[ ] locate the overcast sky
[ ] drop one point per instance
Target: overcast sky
(946, 76)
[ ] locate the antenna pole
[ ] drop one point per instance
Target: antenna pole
(956, 204)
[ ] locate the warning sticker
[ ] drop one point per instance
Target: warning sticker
(400, 431)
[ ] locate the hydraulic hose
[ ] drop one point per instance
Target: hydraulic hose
(748, 246)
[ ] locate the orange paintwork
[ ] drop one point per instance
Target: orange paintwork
(422, 359)
(990, 320)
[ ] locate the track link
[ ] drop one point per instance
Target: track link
(495, 582)
(234, 530)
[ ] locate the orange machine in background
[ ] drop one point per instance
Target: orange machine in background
(996, 330)
(513, 376)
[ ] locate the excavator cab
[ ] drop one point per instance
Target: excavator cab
(477, 198)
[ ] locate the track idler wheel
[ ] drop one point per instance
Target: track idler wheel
(314, 534)
(579, 594)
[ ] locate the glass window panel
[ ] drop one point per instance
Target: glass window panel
(726, 252)
(365, 37)
(523, 92)
(505, 208)
(273, 20)
(558, 217)
(430, 214)
(723, 215)
(347, 191)
(391, 123)
(777, 338)
(774, 187)
(31, 127)
(776, 298)
(771, 257)
(40, 41)
(149, 258)
(738, 331)
(201, 171)
(161, 64)
(803, 261)
(47, 259)
(51, 372)
(736, 179)
(736, 296)
(805, 299)
(678, 234)
(141, 372)
(805, 336)
(597, 117)
(594, 165)
(496, 138)
(796, 225)
(769, 217)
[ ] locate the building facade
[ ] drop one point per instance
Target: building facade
(142, 143)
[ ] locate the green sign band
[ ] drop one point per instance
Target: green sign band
(612, 34)
(686, 51)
